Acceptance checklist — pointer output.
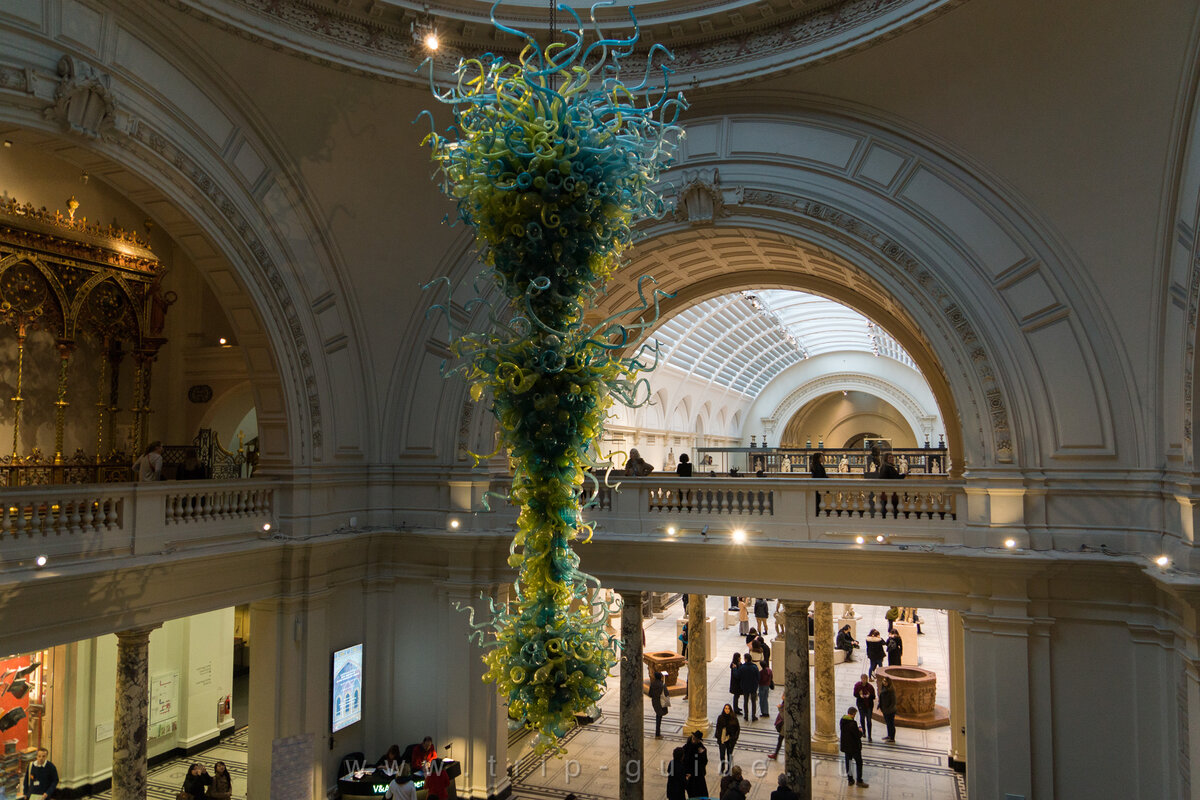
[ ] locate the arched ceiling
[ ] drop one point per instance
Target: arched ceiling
(743, 340)
(715, 41)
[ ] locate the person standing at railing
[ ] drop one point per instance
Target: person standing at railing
(684, 470)
(816, 465)
(888, 470)
(637, 466)
(150, 466)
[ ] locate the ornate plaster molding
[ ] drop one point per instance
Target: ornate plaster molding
(714, 41)
(848, 226)
(83, 103)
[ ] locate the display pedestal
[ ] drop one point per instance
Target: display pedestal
(728, 618)
(710, 628)
(671, 664)
(911, 656)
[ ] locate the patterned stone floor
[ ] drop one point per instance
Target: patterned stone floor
(165, 780)
(914, 768)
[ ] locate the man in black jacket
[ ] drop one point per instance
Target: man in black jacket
(41, 779)
(695, 765)
(748, 684)
(851, 742)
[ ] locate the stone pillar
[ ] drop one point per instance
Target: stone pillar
(132, 714)
(697, 665)
(797, 725)
(825, 740)
(958, 692)
(631, 784)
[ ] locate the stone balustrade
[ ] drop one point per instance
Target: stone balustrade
(93, 521)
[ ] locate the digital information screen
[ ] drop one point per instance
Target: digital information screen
(347, 687)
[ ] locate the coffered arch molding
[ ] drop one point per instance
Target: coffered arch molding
(917, 416)
(213, 181)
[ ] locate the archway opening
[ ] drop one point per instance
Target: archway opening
(132, 357)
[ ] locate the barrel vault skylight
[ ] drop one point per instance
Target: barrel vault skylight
(743, 340)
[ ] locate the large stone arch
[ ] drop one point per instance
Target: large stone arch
(993, 312)
(173, 130)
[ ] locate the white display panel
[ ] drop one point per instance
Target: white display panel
(347, 687)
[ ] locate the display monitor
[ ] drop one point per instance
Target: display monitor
(347, 687)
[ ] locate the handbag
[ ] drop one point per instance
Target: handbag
(665, 701)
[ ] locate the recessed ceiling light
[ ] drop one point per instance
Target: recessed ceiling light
(1010, 543)
(1163, 561)
(739, 536)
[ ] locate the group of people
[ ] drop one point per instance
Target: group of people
(199, 784)
(878, 466)
(416, 759)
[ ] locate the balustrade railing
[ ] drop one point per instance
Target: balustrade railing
(96, 520)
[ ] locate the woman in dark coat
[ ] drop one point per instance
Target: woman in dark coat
(895, 648)
(728, 730)
(875, 652)
(675, 776)
(887, 707)
(695, 762)
(658, 691)
(197, 781)
(734, 685)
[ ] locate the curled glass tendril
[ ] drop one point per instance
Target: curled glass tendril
(550, 159)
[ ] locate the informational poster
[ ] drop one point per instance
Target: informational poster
(347, 687)
(164, 704)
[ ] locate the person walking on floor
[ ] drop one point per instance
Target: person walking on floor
(766, 680)
(735, 684)
(875, 652)
(748, 682)
(728, 730)
(695, 761)
(895, 648)
(864, 699)
(778, 729)
(660, 701)
(851, 744)
(761, 613)
(683, 638)
(887, 707)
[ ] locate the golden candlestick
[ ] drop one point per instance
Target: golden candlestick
(60, 405)
(16, 398)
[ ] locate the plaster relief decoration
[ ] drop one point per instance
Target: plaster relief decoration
(550, 159)
(700, 199)
(83, 103)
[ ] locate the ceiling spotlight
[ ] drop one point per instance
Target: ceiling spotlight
(222, 341)
(739, 536)
(454, 523)
(671, 530)
(859, 540)
(431, 40)
(266, 527)
(1010, 543)
(1163, 561)
(41, 561)
(881, 538)
(8, 142)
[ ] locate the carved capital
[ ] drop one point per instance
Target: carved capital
(83, 103)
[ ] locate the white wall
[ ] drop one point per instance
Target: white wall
(199, 649)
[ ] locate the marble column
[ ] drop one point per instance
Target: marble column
(797, 725)
(825, 740)
(631, 784)
(958, 692)
(697, 665)
(132, 714)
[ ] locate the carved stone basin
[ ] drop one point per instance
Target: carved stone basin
(916, 689)
(667, 661)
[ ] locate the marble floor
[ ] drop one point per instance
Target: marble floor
(914, 768)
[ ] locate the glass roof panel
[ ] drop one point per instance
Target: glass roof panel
(743, 340)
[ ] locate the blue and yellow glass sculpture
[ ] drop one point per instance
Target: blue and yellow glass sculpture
(550, 160)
